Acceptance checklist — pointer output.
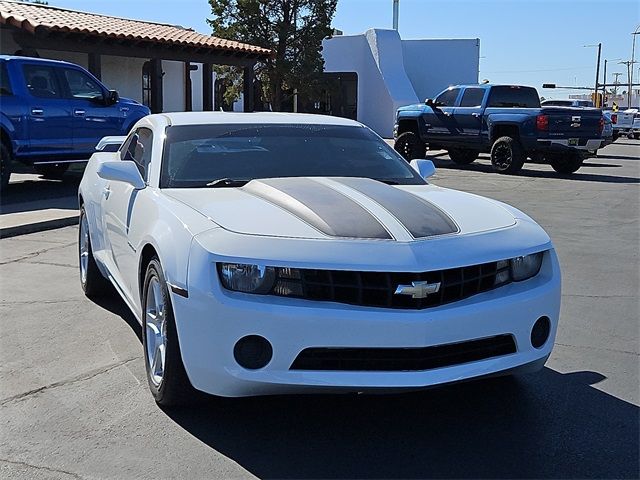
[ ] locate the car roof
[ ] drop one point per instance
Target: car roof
(200, 118)
(34, 59)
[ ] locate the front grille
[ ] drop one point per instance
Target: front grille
(403, 359)
(377, 289)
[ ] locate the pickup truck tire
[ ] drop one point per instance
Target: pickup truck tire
(5, 166)
(507, 155)
(54, 171)
(566, 163)
(463, 156)
(409, 145)
(91, 279)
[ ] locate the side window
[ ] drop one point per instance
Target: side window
(41, 81)
(448, 97)
(138, 149)
(472, 97)
(5, 86)
(81, 85)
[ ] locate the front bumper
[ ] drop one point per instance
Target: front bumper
(211, 320)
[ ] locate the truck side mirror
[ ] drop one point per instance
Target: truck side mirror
(112, 97)
(429, 102)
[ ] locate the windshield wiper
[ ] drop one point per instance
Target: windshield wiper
(227, 182)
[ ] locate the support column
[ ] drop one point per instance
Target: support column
(95, 65)
(156, 85)
(207, 87)
(188, 98)
(247, 88)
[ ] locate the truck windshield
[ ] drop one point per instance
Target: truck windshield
(233, 154)
(513, 97)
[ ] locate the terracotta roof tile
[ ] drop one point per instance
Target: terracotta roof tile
(30, 17)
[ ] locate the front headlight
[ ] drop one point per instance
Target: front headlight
(526, 266)
(247, 278)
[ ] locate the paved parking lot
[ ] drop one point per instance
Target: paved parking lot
(74, 401)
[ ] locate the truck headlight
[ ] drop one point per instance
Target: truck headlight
(247, 278)
(526, 266)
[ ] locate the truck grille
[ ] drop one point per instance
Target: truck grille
(403, 359)
(377, 289)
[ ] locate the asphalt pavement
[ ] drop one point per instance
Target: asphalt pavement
(74, 402)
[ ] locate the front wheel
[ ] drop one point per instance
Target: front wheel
(507, 155)
(5, 166)
(410, 146)
(463, 156)
(54, 171)
(166, 375)
(566, 163)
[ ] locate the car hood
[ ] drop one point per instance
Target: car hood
(345, 208)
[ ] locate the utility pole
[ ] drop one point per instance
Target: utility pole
(598, 75)
(396, 11)
(629, 65)
(616, 82)
(633, 60)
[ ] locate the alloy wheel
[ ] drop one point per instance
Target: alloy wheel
(156, 331)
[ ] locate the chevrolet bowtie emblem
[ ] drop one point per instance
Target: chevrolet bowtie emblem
(418, 289)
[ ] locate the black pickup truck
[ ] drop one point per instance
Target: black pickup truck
(505, 120)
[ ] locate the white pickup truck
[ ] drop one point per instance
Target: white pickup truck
(627, 123)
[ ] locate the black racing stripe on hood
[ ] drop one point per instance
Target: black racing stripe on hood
(420, 217)
(326, 209)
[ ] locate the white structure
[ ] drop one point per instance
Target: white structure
(393, 72)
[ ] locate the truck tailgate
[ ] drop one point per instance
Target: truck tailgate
(573, 122)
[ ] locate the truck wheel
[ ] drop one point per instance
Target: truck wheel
(410, 146)
(54, 171)
(507, 155)
(5, 166)
(566, 163)
(463, 156)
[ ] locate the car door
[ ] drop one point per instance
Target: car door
(92, 117)
(49, 121)
(439, 121)
(468, 116)
(119, 204)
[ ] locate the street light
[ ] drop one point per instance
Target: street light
(599, 45)
(633, 60)
(604, 83)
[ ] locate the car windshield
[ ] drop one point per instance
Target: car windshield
(231, 155)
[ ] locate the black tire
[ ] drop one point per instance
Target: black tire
(174, 388)
(636, 136)
(410, 146)
(566, 163)
(6, 160)
(463, 156)
(92, 281)
(507, 155)
(615, 136)
(54, 171)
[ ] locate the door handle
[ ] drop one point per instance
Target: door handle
(37, 111)
(79, 112)
(477, 115)
(448, 114)
(106, 191)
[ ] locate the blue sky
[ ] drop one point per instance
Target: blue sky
(522, 41)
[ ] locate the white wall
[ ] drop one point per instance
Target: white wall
(394, 72)
(433, 65)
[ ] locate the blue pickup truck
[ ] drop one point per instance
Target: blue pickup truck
(505, 120)
(53, 113)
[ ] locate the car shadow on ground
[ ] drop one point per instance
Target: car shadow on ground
(21, 195)
(578, 176)
(110, 300)
(545, 425)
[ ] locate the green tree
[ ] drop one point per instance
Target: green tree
(292, 29)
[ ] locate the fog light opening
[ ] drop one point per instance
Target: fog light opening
(540, 332)
(253, 352)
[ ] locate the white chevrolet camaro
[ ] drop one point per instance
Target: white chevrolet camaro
(273, 253)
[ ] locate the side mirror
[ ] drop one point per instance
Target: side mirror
(429, 102)
(122, 171)
(110, 143)
(112, 97)
(425, 168)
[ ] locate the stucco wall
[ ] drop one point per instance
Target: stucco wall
(433, 65)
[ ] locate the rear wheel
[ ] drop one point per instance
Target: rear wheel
(410, 146)
(463, 156)
(166, 375)
(91, 279)
(507, 155)
(569, 163)
(54, 171)
(6, 159)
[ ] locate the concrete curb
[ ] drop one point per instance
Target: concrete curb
(17, 230)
